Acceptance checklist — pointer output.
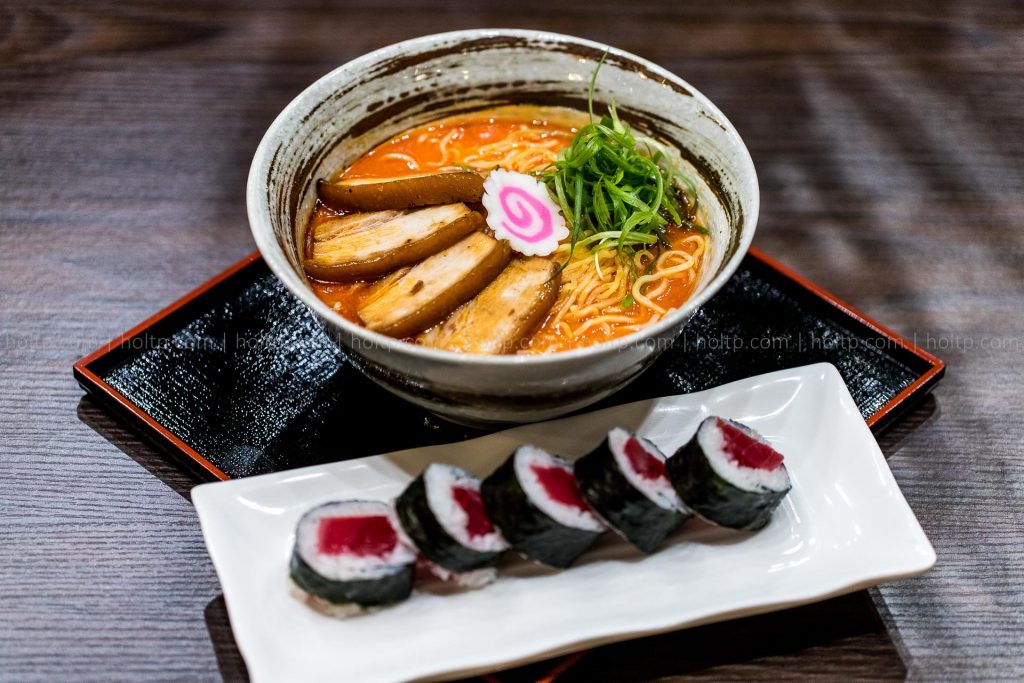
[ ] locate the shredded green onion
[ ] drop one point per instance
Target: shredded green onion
(617, 189)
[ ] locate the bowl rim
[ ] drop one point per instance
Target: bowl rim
(272, 252)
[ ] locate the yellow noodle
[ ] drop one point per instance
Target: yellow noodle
(642, 258)
(443, 145)
(526, 149)
(409, 161)
(662, 270)
(659, 289)
(602, 320)
(597, 266)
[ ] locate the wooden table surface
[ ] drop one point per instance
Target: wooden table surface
(889, 139)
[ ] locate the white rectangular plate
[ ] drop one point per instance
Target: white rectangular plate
(844, 526)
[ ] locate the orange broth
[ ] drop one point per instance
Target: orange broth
(442, 144)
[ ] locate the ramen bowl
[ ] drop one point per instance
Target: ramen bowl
(372, 98)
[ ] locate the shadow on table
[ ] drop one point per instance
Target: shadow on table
(924, 412)
(839, 639)
(128, 442)
(229, 659)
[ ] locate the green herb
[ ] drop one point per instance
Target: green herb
(616, 188)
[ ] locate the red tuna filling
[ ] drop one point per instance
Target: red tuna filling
(560, 485)
(361, 536)
(748, 451)
(477, 521)
(643, 463)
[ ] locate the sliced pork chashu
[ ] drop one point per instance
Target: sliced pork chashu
(434, 288)
(352, 223)
(366, 245)
(497, 319)
(422, 189)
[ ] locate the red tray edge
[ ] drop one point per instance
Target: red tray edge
(92, 382)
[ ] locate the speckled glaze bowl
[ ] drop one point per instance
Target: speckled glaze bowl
(374, 97)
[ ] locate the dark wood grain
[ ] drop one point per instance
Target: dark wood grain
(889, 139)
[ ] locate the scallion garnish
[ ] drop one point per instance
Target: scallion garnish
(616, 188)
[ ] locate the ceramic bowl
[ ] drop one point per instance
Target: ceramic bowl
(372, 98)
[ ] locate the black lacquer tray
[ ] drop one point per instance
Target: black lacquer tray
(238, 378)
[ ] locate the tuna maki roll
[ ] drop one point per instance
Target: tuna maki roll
(625, 481)
(534, 500)
(349, 556)
(729, 475)
(443, 514)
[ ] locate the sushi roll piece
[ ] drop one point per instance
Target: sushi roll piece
(729, 475)
(535, 502)
(349, 556)
(443, 514)
(625, 481)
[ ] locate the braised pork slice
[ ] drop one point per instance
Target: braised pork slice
(405, 192)
(434, 288)
(500, 317)
(366, 245)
